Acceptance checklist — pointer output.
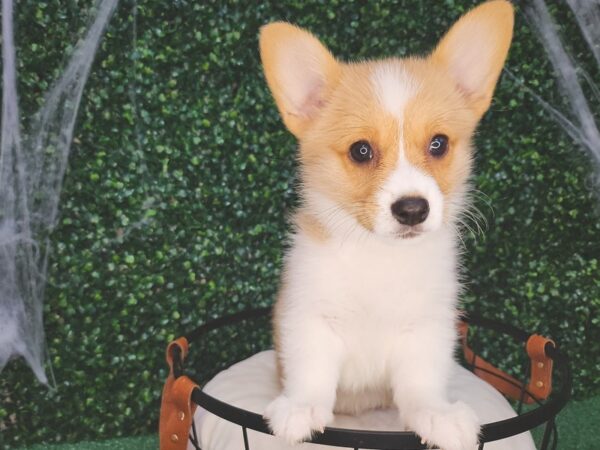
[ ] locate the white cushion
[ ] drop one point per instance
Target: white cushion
(252, 384)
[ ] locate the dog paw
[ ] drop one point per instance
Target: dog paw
(295, 422)
(450, 427)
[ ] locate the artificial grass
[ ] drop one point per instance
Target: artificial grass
(578, 425)
(130, 443)
(576, 431)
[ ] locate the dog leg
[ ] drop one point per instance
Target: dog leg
(419, 378)
(310, 355)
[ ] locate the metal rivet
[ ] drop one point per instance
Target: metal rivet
(540, 365)
(539, 384)
(181, 415)
(174, 438)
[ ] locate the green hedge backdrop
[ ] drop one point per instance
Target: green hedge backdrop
(181, 176)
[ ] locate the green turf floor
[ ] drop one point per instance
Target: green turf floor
(578, 429)
(132, 443)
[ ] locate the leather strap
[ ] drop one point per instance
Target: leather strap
(177, 408)
(183, 345)
(540, 384)
(502, 381)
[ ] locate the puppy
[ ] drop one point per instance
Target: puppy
(367, 308)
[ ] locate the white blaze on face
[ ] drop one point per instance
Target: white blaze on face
(394, 88)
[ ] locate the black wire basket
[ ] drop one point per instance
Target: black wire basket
(182, 394)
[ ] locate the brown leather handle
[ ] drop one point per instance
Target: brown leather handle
(177, 408)
(183, 345)
(540, 383)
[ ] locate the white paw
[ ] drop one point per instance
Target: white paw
(449, 427)
(295, 422)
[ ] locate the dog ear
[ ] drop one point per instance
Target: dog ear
(473, 51)
(300, 72)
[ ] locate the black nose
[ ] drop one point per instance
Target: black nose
(410, 210)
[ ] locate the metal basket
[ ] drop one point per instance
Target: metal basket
(182, 394)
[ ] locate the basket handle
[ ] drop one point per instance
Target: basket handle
(540, 382)
(177, 408)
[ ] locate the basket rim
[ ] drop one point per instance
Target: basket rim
(387, 440)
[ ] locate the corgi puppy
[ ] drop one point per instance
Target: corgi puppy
(366, 313)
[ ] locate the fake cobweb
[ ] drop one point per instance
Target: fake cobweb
(579, 122)
(32, 168)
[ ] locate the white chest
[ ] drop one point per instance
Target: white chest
(372, 294)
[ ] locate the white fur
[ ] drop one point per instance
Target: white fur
(394, 87)
(363, 315)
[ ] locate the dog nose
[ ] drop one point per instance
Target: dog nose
(410, 210)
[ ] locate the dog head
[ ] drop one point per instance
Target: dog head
(388, 142)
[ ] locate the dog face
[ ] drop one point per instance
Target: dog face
(388, 142)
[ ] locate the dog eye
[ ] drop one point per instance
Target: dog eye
(438, 145)
(361, 152)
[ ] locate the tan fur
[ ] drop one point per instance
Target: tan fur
(354, 113)
(308, 224)
(275, 38)
(351, 115)
(438, 108)
(497, 18)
